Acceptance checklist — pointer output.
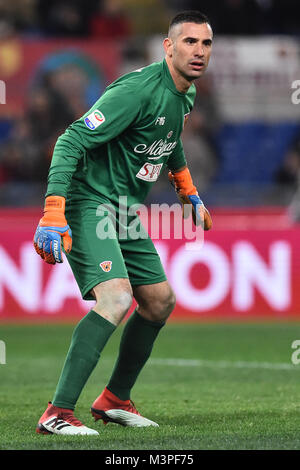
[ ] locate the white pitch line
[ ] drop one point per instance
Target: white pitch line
(223, 364)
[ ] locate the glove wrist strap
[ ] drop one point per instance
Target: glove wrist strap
(55, 204)
(184, 183)
(54, 212)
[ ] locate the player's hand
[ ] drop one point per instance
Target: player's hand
(182, 183)
(52, 230)
(200, 214)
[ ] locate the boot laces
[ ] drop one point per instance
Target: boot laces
(132, 408)
(69, 417)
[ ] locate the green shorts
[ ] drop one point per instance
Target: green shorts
(95, 258)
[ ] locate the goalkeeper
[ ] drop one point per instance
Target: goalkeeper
(118, 148)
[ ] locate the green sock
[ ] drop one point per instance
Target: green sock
(135, 348)
(88, 340)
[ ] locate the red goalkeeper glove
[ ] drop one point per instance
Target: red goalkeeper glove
(187, 194)
(52, 229)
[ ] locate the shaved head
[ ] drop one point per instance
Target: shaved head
(174, 31)
(191, 16)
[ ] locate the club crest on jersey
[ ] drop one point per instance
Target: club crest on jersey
(149, 172)
(94, 120)
(106, 266)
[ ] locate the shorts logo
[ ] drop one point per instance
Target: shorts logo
(94, 119)
(149, 172)
(106, 266)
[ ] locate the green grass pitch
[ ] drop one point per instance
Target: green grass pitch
(209, 386)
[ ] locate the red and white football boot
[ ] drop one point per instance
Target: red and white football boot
(62, 421)
(110, 408)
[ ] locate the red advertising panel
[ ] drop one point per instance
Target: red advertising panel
(236, 274)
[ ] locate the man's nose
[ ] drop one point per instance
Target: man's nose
(200, 51)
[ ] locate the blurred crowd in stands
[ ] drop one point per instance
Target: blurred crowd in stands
(122, 18)
(25, 154)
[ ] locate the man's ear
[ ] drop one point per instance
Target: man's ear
(168, 46)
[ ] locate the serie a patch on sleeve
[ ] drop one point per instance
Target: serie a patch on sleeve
(94, 120)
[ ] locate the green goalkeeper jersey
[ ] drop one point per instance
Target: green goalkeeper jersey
(119, 147)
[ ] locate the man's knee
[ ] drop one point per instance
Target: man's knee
(167, 304)
(113, 299)
(159, 305)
